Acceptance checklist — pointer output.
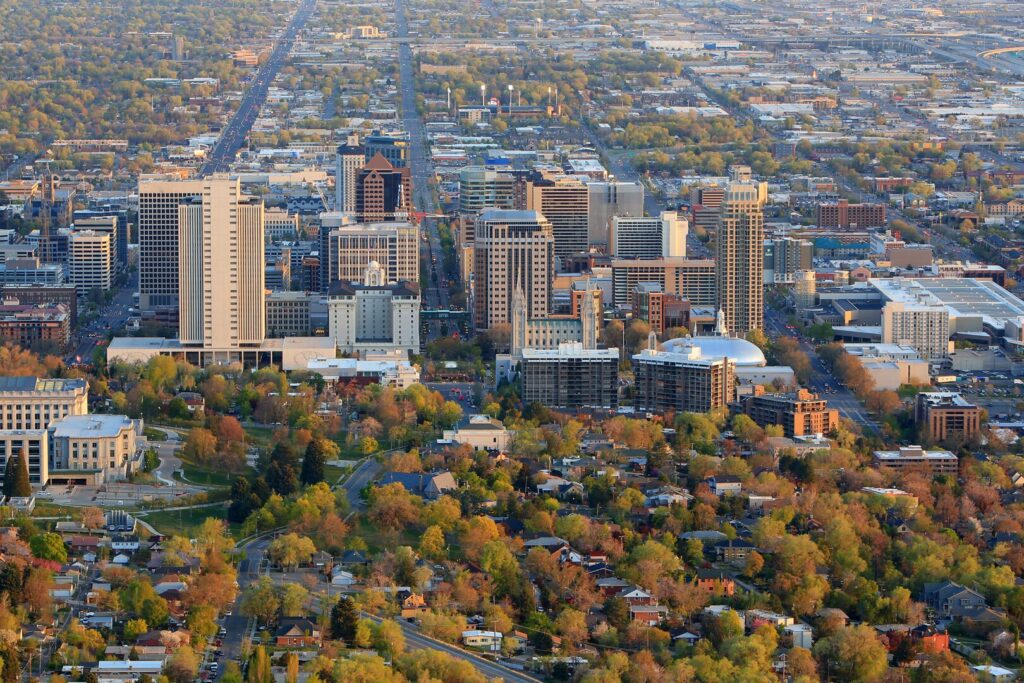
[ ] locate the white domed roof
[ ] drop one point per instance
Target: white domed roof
(742, 352)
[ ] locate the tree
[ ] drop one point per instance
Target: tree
(260, 600)
(259, 667)
(572, 625)
(202, 624)
(134, 628)
(853, 653)
(432, 544)
(200, 445)
(388, 639)
(183, 665)
(753, 565)
(93, 518)
(344, 619)
(313, 463)
(291, 550)
(16, 483)
(49, 546)
(291, 674)
(293, 600)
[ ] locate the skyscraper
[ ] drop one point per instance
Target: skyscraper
(383, 192)
(565, 202)
(349, 159)
(513, 249)
(649, 237)
(221, 298)
(609, 198)
(739, 246)
(158, 246)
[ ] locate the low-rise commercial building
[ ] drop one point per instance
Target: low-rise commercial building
(105, 443)
(934, 462)
(38, 327)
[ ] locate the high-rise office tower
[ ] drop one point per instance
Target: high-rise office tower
(514, 249)
(349, 159)
(649, 237)
(158, 246)
(221, 299)
(565, 202)
(739, 247)
(90, 261)
(383, 191)
(394, 149)
(608, 199)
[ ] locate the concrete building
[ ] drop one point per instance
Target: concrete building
(941, 415)
(891, 365)
(513, 249)
(278, 225)
(482, 432)
(394, 149)
(105, 443)
(221, 276)
(90, 261)
(35, 443)
(113, 225)
(290, 314)
(31, 403)
(40, 327)
(610, 198)
(649, 237)
(349, 248)
(375, 317)
(695, 280)
(800, 413)
(349, 158)
(739, 247)
(31, 271)
(922, 326)
(483, 188)
(53, 295)
(158, 245)
(843, 215)
(565, 202)
(397, 373)
(571, 377)
(933, 462)
(383, 191)
(683, 379)
(662, 311)
(582, 326)
(785, 258)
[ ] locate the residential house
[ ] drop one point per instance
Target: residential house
(649, 615)
(611, 585)
(483, 640)
(342, 578)
(413, 605)
(990, 673)
(637, 596)
(715, 581)
(430, 485)
(124, 543)
(950, 600)
(724, 485)
(755, 618)
(734, 550)
(297, 632)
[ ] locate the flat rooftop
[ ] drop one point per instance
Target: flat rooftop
(962, 297)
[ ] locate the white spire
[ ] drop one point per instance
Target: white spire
(720, 328)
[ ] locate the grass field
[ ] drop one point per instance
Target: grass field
(182, 522)
(197, 474)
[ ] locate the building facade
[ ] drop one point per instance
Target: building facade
(513, 249)
(940, 415)
(106, 443)
(35, 444)
(351, 248)
(739, 246)
(609, 198)
(649, 237)
(565, 202)
(682, 380)
(695, 280)
(799, 414)
(31, 403)
(375, 317)
(90, 261)
(843, 215)
(383, 191)
(571, 377)
(221, 298)
(40, 327)
(349, 158)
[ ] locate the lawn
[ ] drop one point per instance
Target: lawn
(204, 476)
(182, 522)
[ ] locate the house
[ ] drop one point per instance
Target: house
(297, 632)
(413, 605)
(121, 558)
(990, 673)
(800, 635)
(950, 600)
(725, 485)
(666, 496)
(353, 558)
(484, 640)
(755, 618)
(482, 433)
(637, 596)
(715, 581)
(686, 637)
(431, 485)
(322, 560)
(611, 585)
(650, 615)
(83, 544)
(124, 543)
(518, 640)
(343, 578)
(734, 550)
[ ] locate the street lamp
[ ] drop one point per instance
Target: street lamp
(449, 102)
(511, 88)
(483, 94)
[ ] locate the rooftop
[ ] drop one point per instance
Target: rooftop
(91, 426)
(962, 297)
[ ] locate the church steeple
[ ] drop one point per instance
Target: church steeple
(720, 329)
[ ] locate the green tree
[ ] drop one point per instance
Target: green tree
(432, 545)
(16, 483)
(134, 628)
(260, 600)
(344, 619)
(853, 653)
(259, 667)
(388, 639)
(291, 550)
(313, 463)
(49, 546)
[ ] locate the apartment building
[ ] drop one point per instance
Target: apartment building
(941, 415)
(695, 280)
(843, 215)
(739, 247)
(40, 327)
(799, 414)
(649, 237)
(571, 377)
(683, 381)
